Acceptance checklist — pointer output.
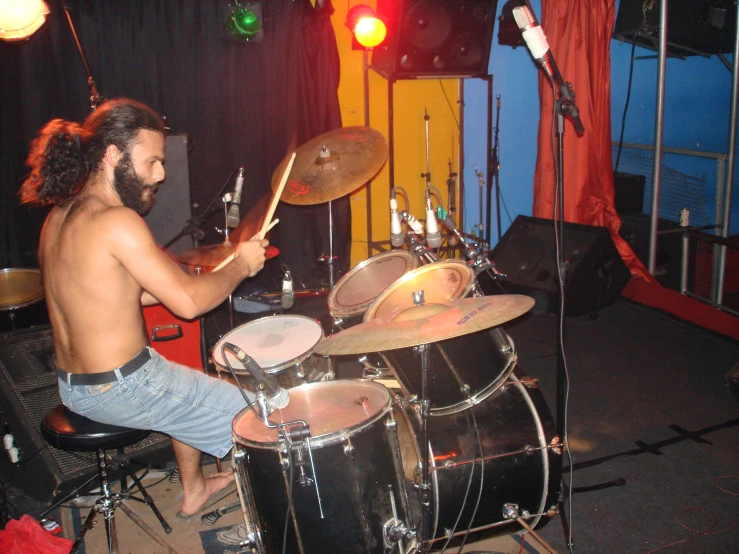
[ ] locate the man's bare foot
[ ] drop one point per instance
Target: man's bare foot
(194, 500)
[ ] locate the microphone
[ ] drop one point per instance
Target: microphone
(413, 223)
(397, 236)
(468, 250)
(534, 36)
(233, 218)
(433, 235)
(277, 397)
(288, 294)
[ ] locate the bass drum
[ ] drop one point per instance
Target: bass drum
(340, 485)
(520, 462)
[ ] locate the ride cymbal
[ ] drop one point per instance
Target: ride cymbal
(332, 165)
(425, 324)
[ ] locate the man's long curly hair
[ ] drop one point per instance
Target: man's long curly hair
(65, 154)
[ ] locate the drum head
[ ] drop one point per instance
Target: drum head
(441, 282)
(20, 287)
(332, 409)
(356, 290)
(274, 342)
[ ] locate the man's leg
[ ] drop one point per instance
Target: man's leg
(197, 489)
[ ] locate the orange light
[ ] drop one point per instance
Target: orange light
(370, 32)
(19, 19)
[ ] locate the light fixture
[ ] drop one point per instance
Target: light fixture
(244, 22)
(19, 19)
(368, 31)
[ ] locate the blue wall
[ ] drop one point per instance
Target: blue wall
(697, 104)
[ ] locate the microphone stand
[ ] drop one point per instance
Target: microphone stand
(494, 168)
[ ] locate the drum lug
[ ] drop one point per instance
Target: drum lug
(394, 530)
(556, 445)
(349, 449)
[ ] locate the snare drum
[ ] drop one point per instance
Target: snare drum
(282, 345)
(342, 482)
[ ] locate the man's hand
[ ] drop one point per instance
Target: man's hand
(252, 253)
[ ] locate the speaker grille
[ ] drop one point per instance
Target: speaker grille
(30, 388)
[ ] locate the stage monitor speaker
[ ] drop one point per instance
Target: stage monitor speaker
(28, 390)
(629, 192)
(435, 38)
(526, 254)
(694, 27)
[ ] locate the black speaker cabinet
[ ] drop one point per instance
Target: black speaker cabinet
(28, 390)
(595, 273)
(694, 27)
(435, 38)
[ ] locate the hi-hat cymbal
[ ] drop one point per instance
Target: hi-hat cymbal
(20, 287)
(332, 165)
(425, 324)
(213, 254)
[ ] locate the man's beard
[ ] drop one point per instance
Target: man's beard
(130, 187)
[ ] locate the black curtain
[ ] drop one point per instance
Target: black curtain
(239, 104)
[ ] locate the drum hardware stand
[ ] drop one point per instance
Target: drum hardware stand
(493, 173)
(480, 226)
(510, 511)
(394, 530)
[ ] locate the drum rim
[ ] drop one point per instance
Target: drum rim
(273, 368)
(369, 314)
(338, 311)
(28, 301)
(328, 439)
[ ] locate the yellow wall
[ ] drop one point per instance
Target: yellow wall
(410, 99)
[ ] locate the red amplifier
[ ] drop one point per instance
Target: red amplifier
(174, 338)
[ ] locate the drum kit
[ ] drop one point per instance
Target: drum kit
(448, 442)
(19, 287)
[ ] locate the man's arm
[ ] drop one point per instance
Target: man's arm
(186, 295)
(148, 300)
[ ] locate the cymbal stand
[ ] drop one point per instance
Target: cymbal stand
(480, 226)
(425, 485)
(227, 242)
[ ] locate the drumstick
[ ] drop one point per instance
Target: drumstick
(276, 198)
(268, 223)
(230, 257)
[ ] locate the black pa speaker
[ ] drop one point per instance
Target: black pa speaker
(435, 38)
(694, 27)
(28, 391)
(526, 254)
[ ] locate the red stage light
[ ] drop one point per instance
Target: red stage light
(369, 31)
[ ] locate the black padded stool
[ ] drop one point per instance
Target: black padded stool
(66, 430)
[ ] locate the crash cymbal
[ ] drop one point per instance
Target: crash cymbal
(425, 324)
(213, 254)
(19, 287)
(332, 165)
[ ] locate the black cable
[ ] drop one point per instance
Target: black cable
(628, 97)
(482, 476)
(464, 502)
(451, 108)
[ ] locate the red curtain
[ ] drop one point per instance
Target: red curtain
(579, 36)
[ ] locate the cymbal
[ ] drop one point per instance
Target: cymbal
(20, 287)
(213, 254)
(332, 165)
(425, 324)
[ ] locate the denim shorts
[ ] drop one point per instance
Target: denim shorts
(164, 396)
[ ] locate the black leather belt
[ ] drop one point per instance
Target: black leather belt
(106, 376)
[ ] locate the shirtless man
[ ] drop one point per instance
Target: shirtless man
(100, 264)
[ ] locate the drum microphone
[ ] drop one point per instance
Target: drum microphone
(433, 235)
(397, 237)
(470, 252)
(233, 217)
(277, 397)
(288, 294)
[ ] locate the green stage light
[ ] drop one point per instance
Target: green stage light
(244, 23)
